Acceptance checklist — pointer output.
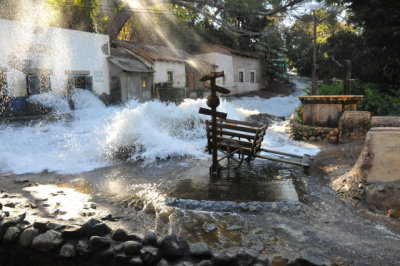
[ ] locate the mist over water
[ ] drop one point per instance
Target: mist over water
(149, 131)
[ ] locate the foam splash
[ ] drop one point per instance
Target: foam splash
(154, 130)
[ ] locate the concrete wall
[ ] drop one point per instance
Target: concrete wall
(24, 46)
(162, 67)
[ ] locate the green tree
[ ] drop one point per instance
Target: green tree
(299, 43)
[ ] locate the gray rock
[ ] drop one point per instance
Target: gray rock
(95, 227)
(245, 258)
(136, 261)
(98, 243)
(27, 236)
(83, 247)
(68, 251)
(135, 237)
(119, 246)
(41, 226)
(339, 261)
(33, 205)
(184, 263)
(204, 263)
(163, 262)
(47, 241)
(200, 250)
(11, 234)
(72, 231)
(312, 261)
(149, 255)
(14, 221)
(55, 226)
(174, 247)
(103, 255)
(262, 259)
(119, 235)
(132, 247)
(10, 205)
(150, 238)
(120, 257)
(224, 258)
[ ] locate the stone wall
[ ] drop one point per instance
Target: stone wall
(354, 125)
(311, 133)
(94, 243)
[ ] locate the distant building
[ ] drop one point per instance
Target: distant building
(36, 59)
(176, 72)
(129, 77)
(243, 70)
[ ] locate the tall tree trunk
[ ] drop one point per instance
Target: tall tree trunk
(118, 22)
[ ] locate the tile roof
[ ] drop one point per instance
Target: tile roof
(156, 53)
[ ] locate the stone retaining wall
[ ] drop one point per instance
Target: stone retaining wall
(353, 125)
(310, 133)
(94, 243)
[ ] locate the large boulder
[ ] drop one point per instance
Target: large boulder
(47, 241)
(174, 247)
(95, 227)
(200, 250)
(150, 255)
(27, 236)
(11, 234)
(98, 243)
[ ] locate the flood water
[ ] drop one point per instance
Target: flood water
(159, 141)
(252, 182)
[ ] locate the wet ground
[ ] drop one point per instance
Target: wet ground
(267, 207)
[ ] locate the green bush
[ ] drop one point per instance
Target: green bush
(299, 114)
(377, 99)
(380, 103)
(334, 89)
(327, 89)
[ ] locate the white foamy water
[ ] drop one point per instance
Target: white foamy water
(152, 130)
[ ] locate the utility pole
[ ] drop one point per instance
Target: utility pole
(347, 76)
(315, 66)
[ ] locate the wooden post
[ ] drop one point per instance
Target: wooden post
(214, 166)
(315, 66)
(347, 76)
(213, 103)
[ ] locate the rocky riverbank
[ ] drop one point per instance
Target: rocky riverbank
(94, 243)
(106, 227)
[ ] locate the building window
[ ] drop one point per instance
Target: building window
(3, 83)
(38, 83)
(253, 76)
(170, 76)
(84, 82)
(241, 75)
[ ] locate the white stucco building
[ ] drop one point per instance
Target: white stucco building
(176, 73)
(168, 63)
(36, 59)
(243, 71)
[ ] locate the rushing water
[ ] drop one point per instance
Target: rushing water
(149, 131)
